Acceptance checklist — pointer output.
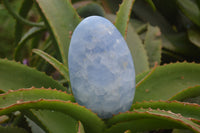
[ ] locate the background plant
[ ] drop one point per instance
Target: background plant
(158, 32)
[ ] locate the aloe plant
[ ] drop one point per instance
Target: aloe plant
(166, 97)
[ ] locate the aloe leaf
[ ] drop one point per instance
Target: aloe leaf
(151, 4)
(189, 110)
(19, 18)
(93, 124)
(34, 127)
(153, 45)
(31, 94)
(80, 128)
(194, 36)
(145, 13)
(123, 16)
(55, 122)
(14, 75)
(158, 86)
(61, 23)
(25, 7)
(10, 129)
(90, 9)
(32, 32)
(149, 119)
(179, 43)
(54, 62)
(190, 9)
(181, 131)
(138, 52)
(143, 76)
(185, 94)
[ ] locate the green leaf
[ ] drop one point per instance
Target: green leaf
(179, 43)
(149, 119)
(80, 128)
(194, 36)
(181, 131)
(32, 32)
(90, 9)
(20, 18)
(168, 80)
(10, 129)
(151, 4)
(54, 62)
(190, 9)
(189, 110)
(34, 127)
(55, 122)
(144, 12)
(137, 50)
(143, 76)
(15, 75)
(61, 19)
(91, 125)
(123, 16)
(32, 94)
(153, 45)
(198, 4)
(25, 8)
(185, 94)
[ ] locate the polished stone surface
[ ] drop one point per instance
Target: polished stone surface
(101, 69)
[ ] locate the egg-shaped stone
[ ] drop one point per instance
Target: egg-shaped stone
(101, 68)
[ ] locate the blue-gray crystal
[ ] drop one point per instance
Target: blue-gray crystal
(101, 69)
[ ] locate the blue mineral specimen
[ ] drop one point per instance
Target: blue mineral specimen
(101, 69)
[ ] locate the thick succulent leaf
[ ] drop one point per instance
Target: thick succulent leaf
(138, 52)
(25, 7)
(54, 62)
(32, 32)
(189, 110)
(181, 131)
(179, 43)
(9, 129)
(139, 26)
(15, 75)
(153, 45)
(194, 36)
(123, 16)
(90, 9)
(193, 100)
(34, 127)
(91, 122)
(149, 119)
(56, 122)
(20, 18)
(143, 76)
(61, 19)
(23, 95)
(151, 4)
(185, 94)
(80, 128)
(168, 80)
(145, 12)
(190, 9)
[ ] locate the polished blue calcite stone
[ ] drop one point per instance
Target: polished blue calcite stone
(101, 68)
